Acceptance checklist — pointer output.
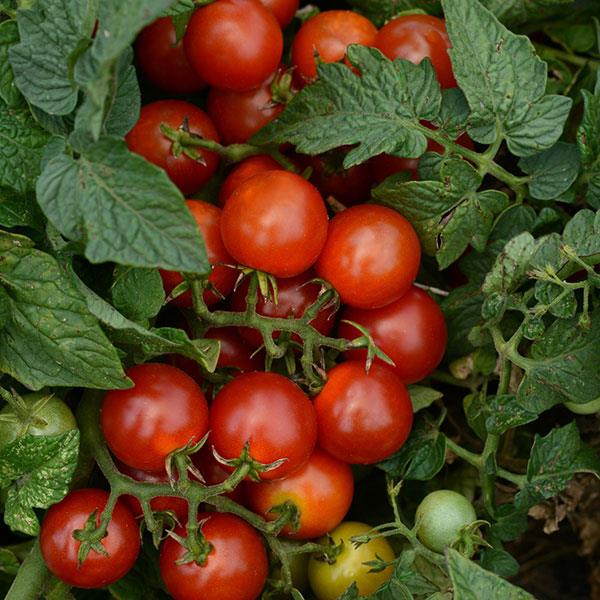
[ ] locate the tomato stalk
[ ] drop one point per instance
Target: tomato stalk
(30, 578)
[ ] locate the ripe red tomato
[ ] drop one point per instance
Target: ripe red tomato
(283, 10)
(243, 171)
(208, 218)
(371, 255)
(236, 567)
(59, 547)
(271, 413)
(234, 44)
(411, 331)
(235, 352)
(329, 34)
(239, 115)
(282, 237)
(214, 472)
(294, 296)
(163, 60)
(415, 37)
(147, 139)
(179, 506)
(165, 410)
(363, 417)
(322, 490)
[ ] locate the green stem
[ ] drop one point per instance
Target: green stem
(568, 57)
(31, 577)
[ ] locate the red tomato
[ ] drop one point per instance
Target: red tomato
(236, 567)
(147, 139)
(59, 547)
(363, 417)
(329, 34)
(411, 331)
(243, 171)
(371, 256)
(271, 413)
(235, 352)
(294, 296)
(234, 44)
(163, 60)
(239, 115)
(165, 410)
(415, 37)
(179, 506)
(208, 218)
(283, 10)
(322, 490)
(214, 472)
(275, 222)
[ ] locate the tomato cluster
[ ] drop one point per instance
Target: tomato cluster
(267, 219)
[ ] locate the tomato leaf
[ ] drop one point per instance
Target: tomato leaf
(20, 210)
(124, 208)
(499, 561)
(505, 412)
(50, 338)
(422, 397)
(503, 81)
(37, 471)
(9, 563)
(137, 293)
(519, 11)
(381, 11)
(9, 93)
(588, 141)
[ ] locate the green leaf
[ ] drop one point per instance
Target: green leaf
(503, 81)
(9, 563)
(454, 113)
(422, 397)
(552, 171)
(21, 144)
(562, 303)
(380, 11)
(500, 562)
(588, 134)
(505, 412)
(51, 338)
(37, 471)
(52, 32)
(20, 210)
(582, 234)
(471, 582)
(351, 593)
(137, 293)
(9, 93)
(378, 111)
(462, 309)
(124, 208)
(125, 107)
(554, 461)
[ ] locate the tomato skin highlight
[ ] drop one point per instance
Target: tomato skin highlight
(237, 566)
(330, 581)
(243, 171)
(283, 10)
(165, 410)
(371, 255)
(363, 417)
(234, 44)
(415, 37)
(163, 60)
(411, 331)
(59, 548)
(329, 34)
(147, 140)
(282, 237)
(208, 218)
(322, 489)
(271, 413)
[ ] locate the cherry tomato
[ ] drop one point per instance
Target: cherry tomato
(44, 414)
(236, 566)
(415, 37)
(208, 218)
(165, 410)
(283, 10)
(179, 506)
(235, 352)
(371, 255)
(411, 331)
(239, 115)
(234, 44)
(272, 414)
(294, 296)
(330, 581)
(322, 490)
(59, 547)
(275, 222)
(363, 417)
(147, 139)
(243, 171)
(214, 472)
(163, 60)
(329, 34)
(440, 517)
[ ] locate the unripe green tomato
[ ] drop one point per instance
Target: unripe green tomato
(440, 517)
(53, 411)
(330, 581)
(587, 408)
